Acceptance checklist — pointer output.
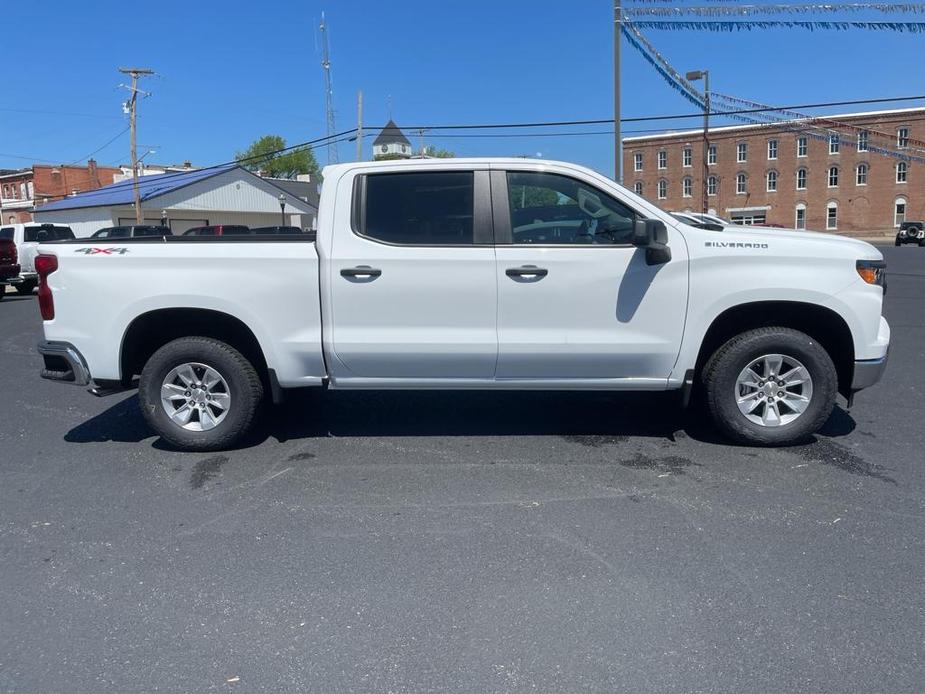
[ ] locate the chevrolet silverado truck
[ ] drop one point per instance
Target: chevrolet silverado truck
(470, 274)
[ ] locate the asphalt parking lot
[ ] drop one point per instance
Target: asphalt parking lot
(424, 542)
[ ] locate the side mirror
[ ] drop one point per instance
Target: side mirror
(42, 236)
(652, 235)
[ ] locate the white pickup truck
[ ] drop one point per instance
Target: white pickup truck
(470, 273)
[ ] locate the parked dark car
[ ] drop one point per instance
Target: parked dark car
(9, 263)
(218, 230)
(911, 232)
(128, 232)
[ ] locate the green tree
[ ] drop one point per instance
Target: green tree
(264, 155)
(438, 153)
(523, 197)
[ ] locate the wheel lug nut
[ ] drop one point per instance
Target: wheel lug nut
(187, 393)
(780, 394)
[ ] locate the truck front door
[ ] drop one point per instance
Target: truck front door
(577, 301)
(413, 295)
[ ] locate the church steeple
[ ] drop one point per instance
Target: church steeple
(391, 143)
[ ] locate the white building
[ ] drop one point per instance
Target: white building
(219, 195)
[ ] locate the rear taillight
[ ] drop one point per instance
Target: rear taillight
(8, 252)
(44, 266)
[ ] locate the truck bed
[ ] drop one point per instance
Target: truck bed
(269, 284)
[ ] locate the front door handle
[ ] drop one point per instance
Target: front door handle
(360, 271)
(528, 271)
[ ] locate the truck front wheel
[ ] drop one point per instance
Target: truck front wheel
(770, 387)
(199, 394)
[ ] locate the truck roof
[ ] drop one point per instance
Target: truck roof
(453, 163)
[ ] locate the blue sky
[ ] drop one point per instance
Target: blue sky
(231, 71)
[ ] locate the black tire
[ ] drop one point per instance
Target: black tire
(921, 242)
(722, 371)
(898, 242)
(26, 287)
(2, 291)
(244, 387)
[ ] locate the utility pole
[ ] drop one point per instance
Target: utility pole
(360, 125)
(617, 144)
(132, 106)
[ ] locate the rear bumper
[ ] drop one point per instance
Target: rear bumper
(867, 372)
(9, 273)
(64, 363)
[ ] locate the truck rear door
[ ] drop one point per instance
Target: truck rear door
(411, 272)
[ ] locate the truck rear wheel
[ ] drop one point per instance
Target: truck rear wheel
(199, 394)
(770, 387)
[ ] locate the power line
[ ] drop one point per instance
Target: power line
(349, 135)
(102, 147)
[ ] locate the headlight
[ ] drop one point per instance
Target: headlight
(872, 272)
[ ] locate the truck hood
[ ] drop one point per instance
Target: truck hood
(816, 239)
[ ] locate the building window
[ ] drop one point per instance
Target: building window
(772, 181)
(742, 152)
(711, 155)
(637, 188)
(902, 172)
(801, 146)
(741, 184)
(801, 179)
(686, 157)
(800, 222)
(637, 161)
(711, 185)
(772, 149)
(902, 137)
(861, 175)
(834, 143)
(831, 216)
(833, 177)
(862, 140)
(662, 189)
(899, 212)
(663, 160)
(687, 187)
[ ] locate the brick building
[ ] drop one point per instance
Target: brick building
(852, 173)
(22, 189)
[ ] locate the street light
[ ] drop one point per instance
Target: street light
(282, 209)
(693, 76)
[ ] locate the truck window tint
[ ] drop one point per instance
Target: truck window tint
(6, 233)
(420, 209)
(554, 209)
(61, 233)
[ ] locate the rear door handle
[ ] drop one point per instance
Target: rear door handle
(529, 271)
(360, 271)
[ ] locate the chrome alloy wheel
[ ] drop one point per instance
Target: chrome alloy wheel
(774, 390)
(195, 396)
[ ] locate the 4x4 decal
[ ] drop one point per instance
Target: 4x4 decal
(94, 250)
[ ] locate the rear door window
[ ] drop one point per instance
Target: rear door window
(7, 233)
(418, 209)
